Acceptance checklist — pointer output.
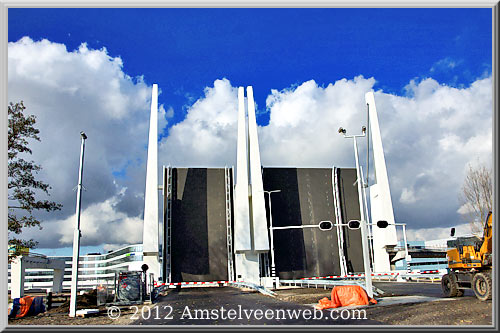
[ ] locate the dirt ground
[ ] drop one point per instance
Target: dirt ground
(58, 317)
(466, 310)
(459, 311)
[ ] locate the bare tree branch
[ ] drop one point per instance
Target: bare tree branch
(477, 197)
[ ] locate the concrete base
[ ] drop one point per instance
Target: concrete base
(247, 267)
(19, 266)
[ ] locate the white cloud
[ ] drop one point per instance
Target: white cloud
(71, 91)
(102, 222)
(429, 135)
(207, 136)
(445, 64)
(162, 117)
(465, 209)
(303, 124)
(426, 234)
(407, 196)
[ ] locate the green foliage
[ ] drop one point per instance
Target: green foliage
(22, 183)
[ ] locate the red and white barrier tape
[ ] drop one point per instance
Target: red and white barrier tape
(361, 275)
(307, 278)
(192, 283)
(346, 276)
(425, 272)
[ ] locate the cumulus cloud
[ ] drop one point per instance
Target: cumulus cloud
(303, 123)
(427, 137)
(207, 136)
(102, 219)
(84, 89)
(423, 234)
(429, 134)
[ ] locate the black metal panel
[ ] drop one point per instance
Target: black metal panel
(316, 201)
(306, 198)
(349, 205)
(199, 248)
(216, 220)
(290, 255)
(199, 251)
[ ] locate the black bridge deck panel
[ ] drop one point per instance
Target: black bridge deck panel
(349, 206)
(199, 250)
(306, 198)
(198, 225)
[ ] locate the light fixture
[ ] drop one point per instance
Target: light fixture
(382, 224)
(325, 225)
(354, 224)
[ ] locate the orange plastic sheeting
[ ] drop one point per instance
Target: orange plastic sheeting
(345, 296)
(25, 304)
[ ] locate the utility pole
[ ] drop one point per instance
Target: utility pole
(407, 257)
(273, 266)
(77, 233)
(364, 222)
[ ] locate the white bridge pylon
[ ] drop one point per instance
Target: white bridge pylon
(380, 196)
(250, 221)
(251, 233)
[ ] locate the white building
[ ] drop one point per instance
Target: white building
(94, 269)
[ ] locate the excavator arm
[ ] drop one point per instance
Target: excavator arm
(486, 250)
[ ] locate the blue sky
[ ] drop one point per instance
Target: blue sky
(185, 50)
(422, 63)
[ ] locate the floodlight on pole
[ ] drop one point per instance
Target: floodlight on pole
(364, 223)
(77, 233)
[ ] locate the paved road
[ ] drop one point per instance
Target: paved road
(185, 302)
(212, 306)
(415, 288)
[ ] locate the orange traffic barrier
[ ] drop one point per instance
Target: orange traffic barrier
(345, 296)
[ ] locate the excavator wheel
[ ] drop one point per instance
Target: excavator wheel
(481, 284)
(449, 286)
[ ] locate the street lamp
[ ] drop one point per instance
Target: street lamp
(322, 225)
(273, 267)
(77, 233)
(364, 234)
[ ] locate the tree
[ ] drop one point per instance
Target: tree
(477, 197)
(23, 187)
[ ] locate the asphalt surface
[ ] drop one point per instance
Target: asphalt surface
(414, 288)
(212, 306)
(185, 306)
(171, 310)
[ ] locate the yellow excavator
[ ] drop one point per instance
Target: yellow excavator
(469, 264)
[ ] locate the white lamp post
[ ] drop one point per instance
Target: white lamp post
(273, 266)
(77, 234)
(323, 226)
(408, 257)
(364, 229)
(384, 224)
